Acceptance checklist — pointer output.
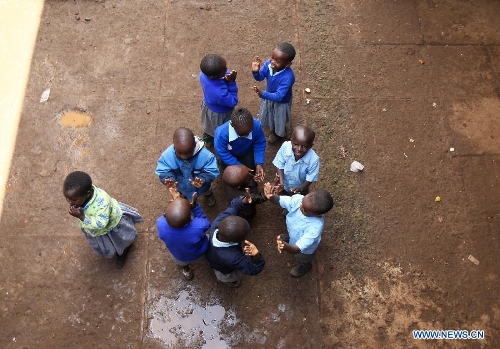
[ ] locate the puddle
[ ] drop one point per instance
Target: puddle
(182, 322)
(75, 118)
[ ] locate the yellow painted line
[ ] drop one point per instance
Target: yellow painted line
(19, 22)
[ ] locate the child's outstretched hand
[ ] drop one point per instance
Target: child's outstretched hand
(257, 91)
(76, 212)
(256, 62)
(248, 196)
(281, 244)
(260, 174)
(170, 183)
(197, 182)
(268, 190)
(277, 179)
(193, 199)
(250, 249)
(175, 194)
(231, 77)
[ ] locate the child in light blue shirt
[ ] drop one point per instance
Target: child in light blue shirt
(297, 164)
(304, 223)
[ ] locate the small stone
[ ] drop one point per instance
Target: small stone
(307, 89)
(88, 19)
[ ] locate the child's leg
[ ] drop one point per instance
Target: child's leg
(187, 271)
(206, 189)
(233, 278)
(282, 114)
(305, 264)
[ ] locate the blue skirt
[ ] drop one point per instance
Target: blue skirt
(120, 237)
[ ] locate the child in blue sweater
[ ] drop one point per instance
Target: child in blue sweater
(241, 141)
(189, 166)
(275, 109)
(225, 253)
(183, 228)
(220, 95)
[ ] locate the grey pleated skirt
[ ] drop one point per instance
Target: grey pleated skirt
(120, 237)
(210, 119)
(275, 116)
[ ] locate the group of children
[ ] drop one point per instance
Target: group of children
(188, 168)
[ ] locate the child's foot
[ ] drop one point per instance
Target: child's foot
(235, 284)
(187, 272)
(273, 138)
(301, 269)
(210, 198)
(121, 259)
(208, 140)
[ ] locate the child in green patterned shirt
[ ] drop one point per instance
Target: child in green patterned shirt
(108, 225)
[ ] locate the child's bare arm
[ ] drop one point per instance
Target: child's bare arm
(193, 199)
(285, 246)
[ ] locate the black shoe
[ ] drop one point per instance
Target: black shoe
(301, 269)
(210, 198)
(187, 272)
(121, 259)
(235, 284)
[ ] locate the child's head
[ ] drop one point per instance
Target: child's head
(233, 229)
(302, 140)
(242, 121)
(213, 66)
(282, 56)
(316, 203)
(236, 175)
(77, 188)
(178, 213)
(184, 143)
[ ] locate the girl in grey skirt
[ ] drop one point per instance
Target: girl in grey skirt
(108, 225)
(220, 95)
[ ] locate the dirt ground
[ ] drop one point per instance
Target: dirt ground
(411, 89)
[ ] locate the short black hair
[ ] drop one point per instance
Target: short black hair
(78, 180)
(321, 200)
(178, 213)
(242, 117)
(233, 229)
(211, 65)
(287, 49)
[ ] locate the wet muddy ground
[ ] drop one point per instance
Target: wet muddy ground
(409, 89)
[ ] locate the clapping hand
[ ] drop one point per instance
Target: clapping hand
(231, 77)
(257, 91)
(174, 192)
(170, 183)
(250, 249)
(197, 182)
(193, 199)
